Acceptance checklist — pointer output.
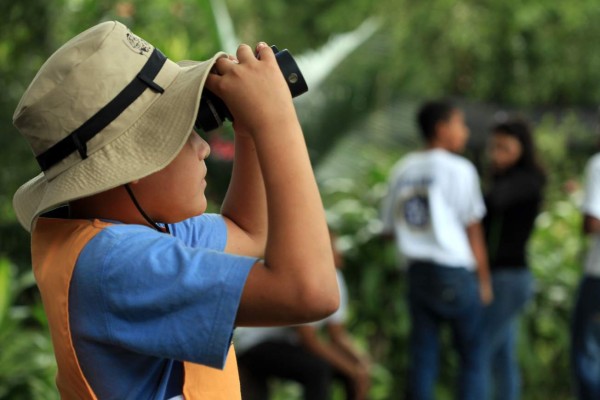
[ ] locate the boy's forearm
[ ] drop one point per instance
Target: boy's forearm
(245, 202)
(341, 340)
(298, 241)
(295, 281)
(338, 359)
(483, 269)
(477, 243)
(295, 210)
(591, 225)
(297, 231)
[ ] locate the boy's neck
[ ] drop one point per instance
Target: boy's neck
(435, 144)
(113, 205)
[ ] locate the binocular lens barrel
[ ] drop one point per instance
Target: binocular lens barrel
(212, 111)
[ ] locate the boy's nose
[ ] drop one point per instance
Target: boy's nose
(204, 149)
(201, 146)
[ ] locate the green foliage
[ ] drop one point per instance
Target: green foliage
(523, 53)
(507, 51)
(5, 288)
(555, 252)
(512, 52)
(564, 145)
(27, 365)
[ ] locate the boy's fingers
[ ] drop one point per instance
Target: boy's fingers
(245, 53)
(263, 50)
(211, 81)
(224, 64)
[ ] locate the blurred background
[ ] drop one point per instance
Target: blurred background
(369, 64)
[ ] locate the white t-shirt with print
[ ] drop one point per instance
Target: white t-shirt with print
(433, 196)
(591, 207)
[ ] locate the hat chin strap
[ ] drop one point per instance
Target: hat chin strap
(159, 228)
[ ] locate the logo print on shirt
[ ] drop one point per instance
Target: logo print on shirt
(415, 211)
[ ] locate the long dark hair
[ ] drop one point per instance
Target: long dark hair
(520, 130)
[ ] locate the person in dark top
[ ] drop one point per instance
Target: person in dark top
(513, 199)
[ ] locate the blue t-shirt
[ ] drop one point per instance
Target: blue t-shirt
(141, 302)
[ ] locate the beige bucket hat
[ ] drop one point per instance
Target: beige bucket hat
(105, 109)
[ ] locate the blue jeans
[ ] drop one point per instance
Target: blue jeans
(585, 340)
(512, 289)
(444, 295)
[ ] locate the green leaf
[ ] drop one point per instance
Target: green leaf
(5, 287)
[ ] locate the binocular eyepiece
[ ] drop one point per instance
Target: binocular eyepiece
(212, 111)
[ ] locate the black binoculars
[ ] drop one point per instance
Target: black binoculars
(212, 111)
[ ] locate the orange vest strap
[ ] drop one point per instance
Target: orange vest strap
(55, 247)
(202, 382)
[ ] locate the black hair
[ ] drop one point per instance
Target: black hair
(520, 130)
(430, 114)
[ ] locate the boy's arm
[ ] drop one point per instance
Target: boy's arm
(245, 204)
(342, 340)
(477, 242)
(310, 340)
(296, 282)
(591, 224)
(340, 360)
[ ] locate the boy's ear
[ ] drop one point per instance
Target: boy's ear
(441, 128)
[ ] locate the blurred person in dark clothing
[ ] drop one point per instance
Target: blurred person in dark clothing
(513, 199)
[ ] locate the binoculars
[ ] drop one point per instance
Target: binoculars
(212, 111)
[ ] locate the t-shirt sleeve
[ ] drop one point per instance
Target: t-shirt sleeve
(386, 212)
(591, 199)
(206, 230)
(153, 294)
(472, 207)
(340, 316)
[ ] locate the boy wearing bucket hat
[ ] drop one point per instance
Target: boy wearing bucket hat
(142, 290)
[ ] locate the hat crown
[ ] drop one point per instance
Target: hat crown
(79, 79)
(106, 109)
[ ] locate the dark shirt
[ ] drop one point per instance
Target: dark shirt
(513, 202)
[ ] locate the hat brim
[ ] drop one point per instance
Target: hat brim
(149, 145)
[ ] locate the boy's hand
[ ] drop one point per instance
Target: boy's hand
(486, 293)
(254, 90)
(362, 382)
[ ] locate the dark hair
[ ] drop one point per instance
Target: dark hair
(430, 114)
(520, 130)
